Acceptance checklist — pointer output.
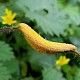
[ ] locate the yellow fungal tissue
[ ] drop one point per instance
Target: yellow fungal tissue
(42, 45)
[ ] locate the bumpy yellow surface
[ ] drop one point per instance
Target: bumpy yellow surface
(42, 45)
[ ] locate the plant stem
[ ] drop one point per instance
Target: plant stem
(8, 29)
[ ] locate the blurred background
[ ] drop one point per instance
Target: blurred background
(55, 20)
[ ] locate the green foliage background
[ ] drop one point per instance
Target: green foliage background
(55, 20)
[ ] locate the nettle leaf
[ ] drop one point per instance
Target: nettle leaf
(28, 78)
(12, 65)
(2, 11)
(70, 71)
(73, 13)
(77, 75)
(75, 41)
(38, 59)
(53, 21)
(6, 53)
(52, 74)
(4, 73)
(38, 5)
(76, 31)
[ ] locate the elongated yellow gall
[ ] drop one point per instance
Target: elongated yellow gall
(42, 45)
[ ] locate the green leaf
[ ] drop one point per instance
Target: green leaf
(77, 75)
(76, 31)
(24, 68)
(6, 53)
(28, 4)
(70, 71)
(54, 21)
(73, 13)
(12, 65)
(67, 70)
(38, 59)
(75, 41)
(4, 73)
(28, 78)
(19, 39)
(52, 74)
(2, 11)
(51, 23)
